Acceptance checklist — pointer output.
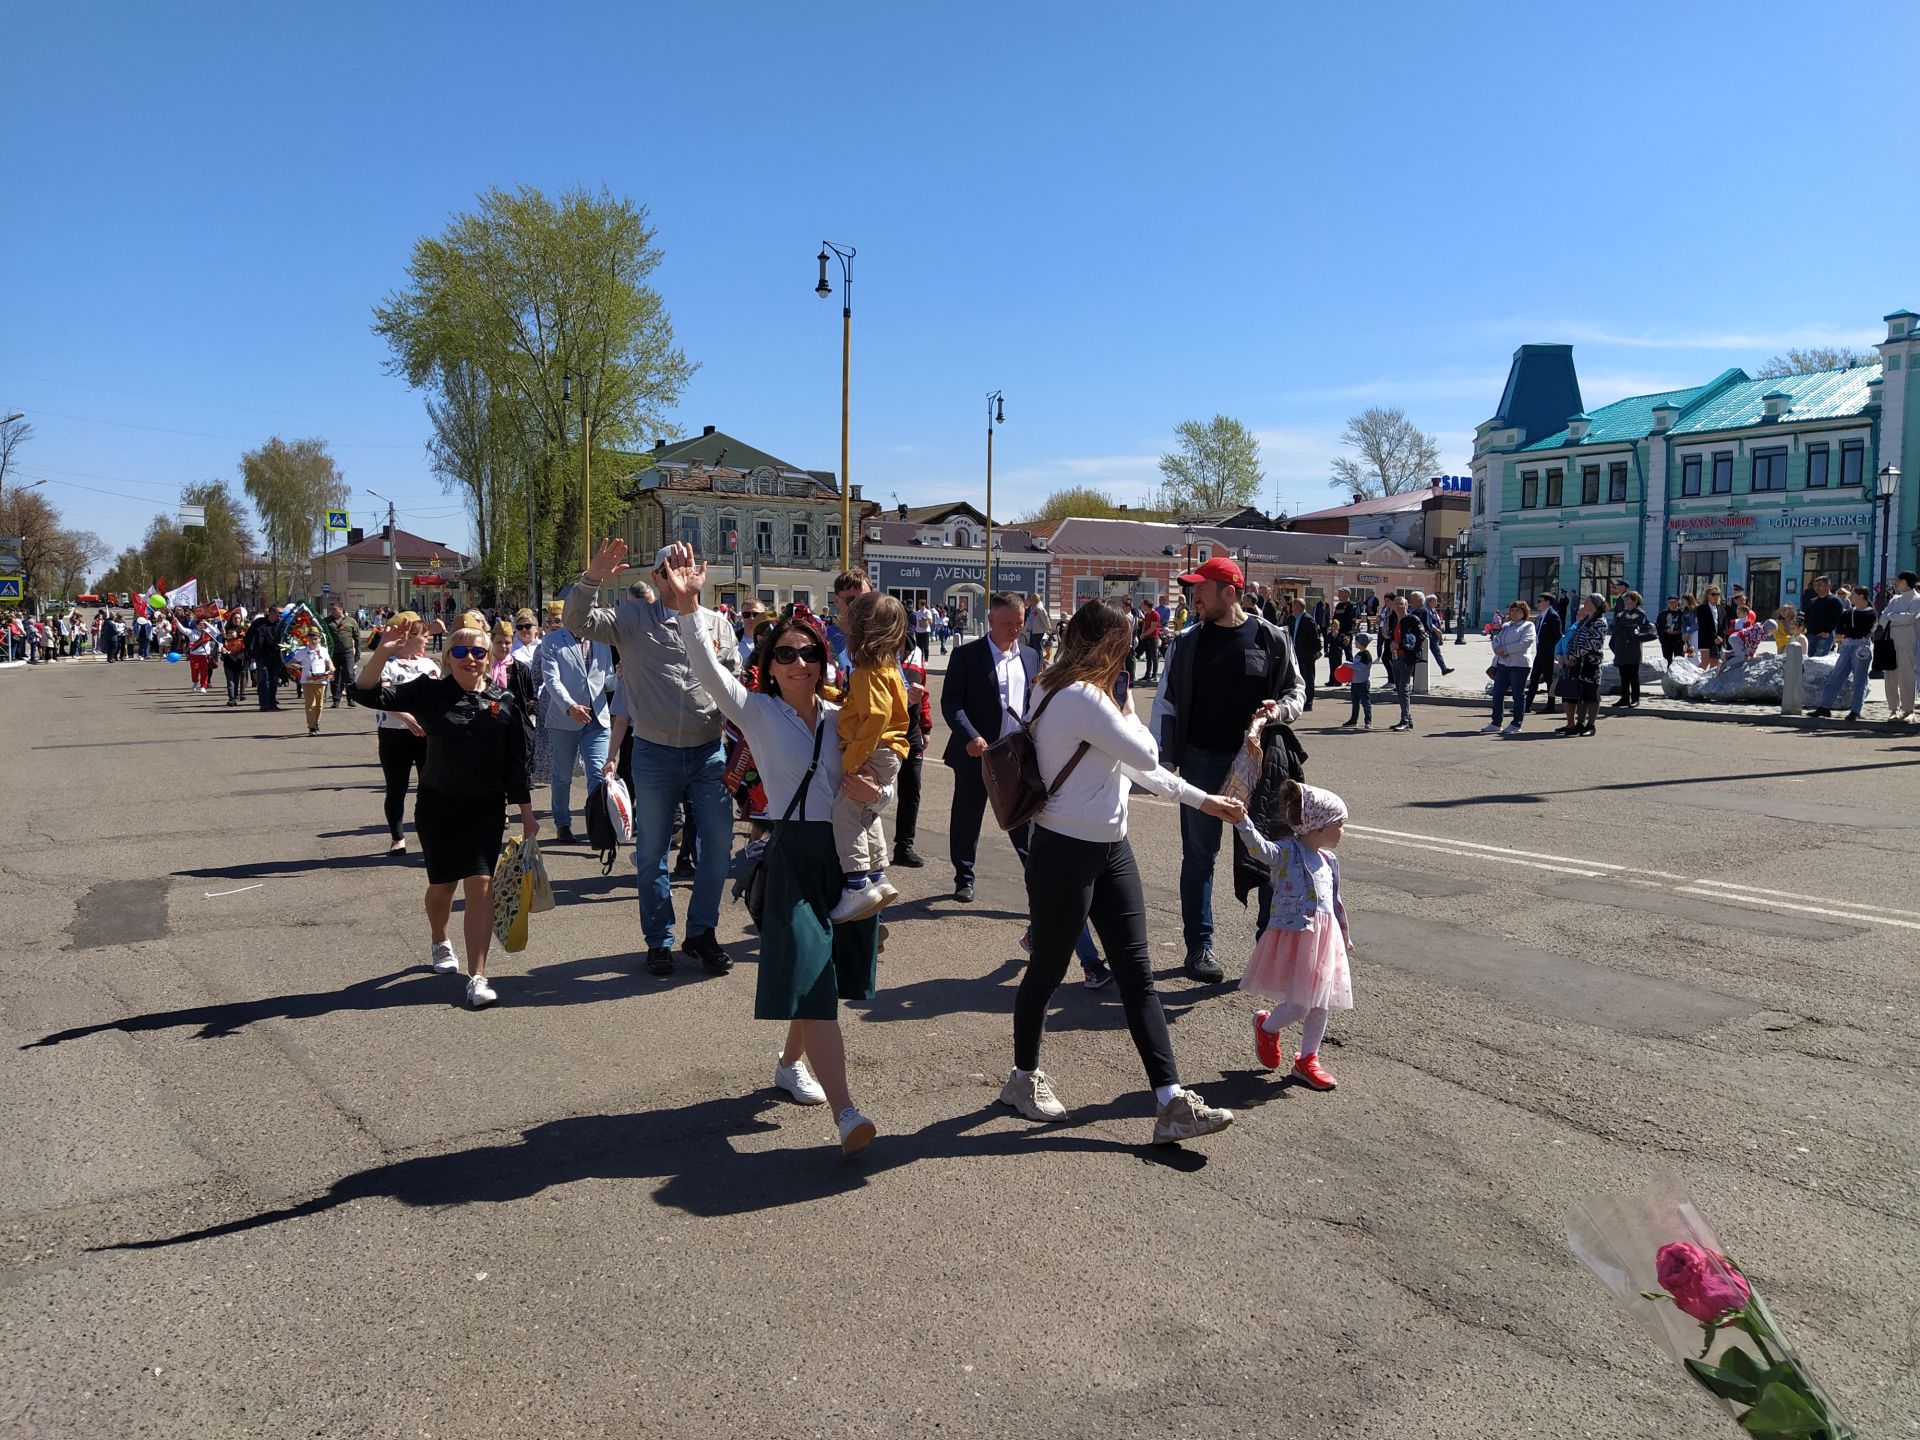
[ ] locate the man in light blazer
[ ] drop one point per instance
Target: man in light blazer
(985, 678)
(576, 682)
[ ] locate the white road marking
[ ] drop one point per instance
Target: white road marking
(1749, 892)
(1503, 859)
(216, 894)
(1776, 904)
(1587, 867)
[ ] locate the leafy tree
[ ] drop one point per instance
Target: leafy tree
(1395, 455)
(31, 516)
(1814, 357)
(1215, 465)
(13, 435)
(529, 321)
(215, 551)
(292, 486)
(1077, 500)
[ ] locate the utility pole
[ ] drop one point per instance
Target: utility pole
(393, 555)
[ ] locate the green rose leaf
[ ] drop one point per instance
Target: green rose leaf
(1782, 1413)
(1726, 1383)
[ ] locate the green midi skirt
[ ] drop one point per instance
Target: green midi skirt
(807, 965)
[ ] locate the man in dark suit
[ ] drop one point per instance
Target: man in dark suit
(1548, 628)
(1304, 632)
(985, 679)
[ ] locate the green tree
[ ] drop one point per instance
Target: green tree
(214, 552)
(1395, 455)
(1814, 357)
(1214, 465)
(530, 323)
(292, 486)
(32, 517)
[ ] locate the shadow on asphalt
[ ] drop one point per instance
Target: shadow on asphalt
(1538, 797)
(691, 1150)
(257, 869)
(571, 982)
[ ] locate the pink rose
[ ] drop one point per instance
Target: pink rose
(1701, 1283)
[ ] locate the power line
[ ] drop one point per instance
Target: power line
(202, 434)
(208, 404)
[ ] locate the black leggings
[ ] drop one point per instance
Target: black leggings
(401, 751)
(1070, 882)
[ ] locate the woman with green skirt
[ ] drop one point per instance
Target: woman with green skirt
(808, 965)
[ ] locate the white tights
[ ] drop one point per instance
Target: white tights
(1311, 1033)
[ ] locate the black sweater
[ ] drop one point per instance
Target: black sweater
(476, 746)
(1857, 623)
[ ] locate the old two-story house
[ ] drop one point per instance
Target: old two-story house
(402, 569)
(765, 526)
(936, 554)
(1764, 483)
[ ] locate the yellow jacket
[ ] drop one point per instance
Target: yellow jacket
(873, 712)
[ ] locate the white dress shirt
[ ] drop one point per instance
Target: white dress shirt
(1011, 675)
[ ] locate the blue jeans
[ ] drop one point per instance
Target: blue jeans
(1361, 693)
(1856, 658)
(1510, 680)
(267, 684)
(589, 743)
(1819, 645)
(661, 775)
(1200, 844)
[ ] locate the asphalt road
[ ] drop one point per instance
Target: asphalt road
(264, 1176)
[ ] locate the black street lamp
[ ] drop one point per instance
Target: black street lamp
(845, 254)
(1883, 497)
(996, 415)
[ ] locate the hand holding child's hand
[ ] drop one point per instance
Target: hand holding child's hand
(1222, 807)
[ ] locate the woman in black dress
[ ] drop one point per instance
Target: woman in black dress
(1578, 684)
(476, 766)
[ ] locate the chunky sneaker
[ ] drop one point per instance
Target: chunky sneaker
(705, 948)
(443, 960)
(1266, 1048)
(856, 1131)
(659, 961)
(479, 992)
(1098, 975)
(1187, 1117)
(1032, 1095)
(1308, 1070)
(797, 1080)
(857, 904)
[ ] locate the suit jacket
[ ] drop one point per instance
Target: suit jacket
(1304, 631)
(970, 699)
(1712, 620)
(569, 678)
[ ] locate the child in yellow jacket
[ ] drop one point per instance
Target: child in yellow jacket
(873, 742)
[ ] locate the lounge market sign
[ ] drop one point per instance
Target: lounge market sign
(1723, 525)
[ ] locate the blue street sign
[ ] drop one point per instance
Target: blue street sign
(326, 587)
(337, 520)
(9, 587)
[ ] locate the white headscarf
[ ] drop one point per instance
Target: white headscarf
(1319, 808)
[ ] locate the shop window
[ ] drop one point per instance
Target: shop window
(1085, 588)
(1589, 484)
(1853, 462)
(1690, 475)
(1817, 457)
(1723, 474)
(1539, 575)
(1701, 569)
(1839, 563)
(1769, 470)
(1556, 482)
(1529, 489)
(1599, 571)
(1617, 482)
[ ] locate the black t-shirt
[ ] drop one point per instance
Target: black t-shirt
(1229, 682)
(476, 745)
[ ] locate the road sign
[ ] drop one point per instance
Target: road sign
(326, 587)
(337, 520)
(9, 589)
(10, 548)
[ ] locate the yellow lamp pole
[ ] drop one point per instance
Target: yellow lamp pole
(996, 415)
(845, 254)
(586, 461)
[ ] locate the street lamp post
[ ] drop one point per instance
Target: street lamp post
(845, 254)
(1889, 484)
(393, 555)
(1192, 540)
(586, 460)
(996, 415)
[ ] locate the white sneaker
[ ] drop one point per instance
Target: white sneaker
(887, 893)
(1512, 729)
(1187, 1117)
(479, 992)
(856, 1131)
(1493, 729)
(443, 960)
(857, 905)
(1032, 1095)
(797, 1080)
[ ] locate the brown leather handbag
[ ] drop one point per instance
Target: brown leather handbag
(1010, 767)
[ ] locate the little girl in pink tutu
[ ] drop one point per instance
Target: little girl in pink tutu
(1300, 960)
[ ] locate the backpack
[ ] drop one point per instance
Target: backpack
(601, 837)
(1010, 766)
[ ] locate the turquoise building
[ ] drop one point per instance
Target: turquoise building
(1759, 483)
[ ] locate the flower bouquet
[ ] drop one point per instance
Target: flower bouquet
(1659, 1258)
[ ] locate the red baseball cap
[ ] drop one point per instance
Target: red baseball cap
(1219, 568)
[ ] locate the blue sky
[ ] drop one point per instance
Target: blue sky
(1124, 215)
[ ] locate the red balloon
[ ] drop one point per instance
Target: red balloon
(1344, 674)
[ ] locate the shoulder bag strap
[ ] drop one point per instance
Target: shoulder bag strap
(1077, 756)
(806, 783)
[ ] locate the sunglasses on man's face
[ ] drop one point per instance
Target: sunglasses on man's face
(467, 652)
(789, 654)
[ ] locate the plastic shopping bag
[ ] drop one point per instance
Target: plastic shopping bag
(541, 892)
(512, 897)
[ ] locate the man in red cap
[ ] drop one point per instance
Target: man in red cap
(1237, 660)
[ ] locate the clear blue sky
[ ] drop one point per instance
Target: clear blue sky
(1123, 214)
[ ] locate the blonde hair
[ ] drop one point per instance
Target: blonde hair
(876, 629)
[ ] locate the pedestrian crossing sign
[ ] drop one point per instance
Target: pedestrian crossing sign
(337, 520)
(9, 589)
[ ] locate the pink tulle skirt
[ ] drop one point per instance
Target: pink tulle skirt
(1302, 967)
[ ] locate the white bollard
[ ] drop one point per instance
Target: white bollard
(1793, 693)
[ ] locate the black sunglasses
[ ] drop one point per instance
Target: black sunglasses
(787, 654)
(527, 626)
(467, 652)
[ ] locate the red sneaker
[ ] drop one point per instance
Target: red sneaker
(1266, 1048)
(1308, 1070)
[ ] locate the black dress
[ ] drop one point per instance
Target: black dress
(476, 766)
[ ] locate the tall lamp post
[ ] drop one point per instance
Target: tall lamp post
(393, 556)
(845, 254)
(996, 415)
(586, 460)
(1883, 497)
(8, 420)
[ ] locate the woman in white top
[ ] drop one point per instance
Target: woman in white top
(808, 965)
(1513, 648)
(403, 744)
(1080, 866)
(1902, 621)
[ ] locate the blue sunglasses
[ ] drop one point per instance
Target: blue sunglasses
(467, 652)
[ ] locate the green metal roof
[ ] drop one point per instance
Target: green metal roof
(1628, 419)
(1817, 395)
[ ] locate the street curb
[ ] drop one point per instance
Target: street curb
(1784, 722)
